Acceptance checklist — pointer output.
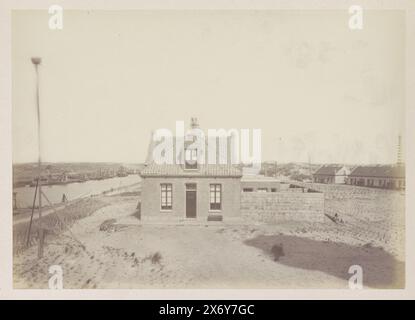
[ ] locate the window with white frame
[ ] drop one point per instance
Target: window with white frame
(215, 196)
(166, 196)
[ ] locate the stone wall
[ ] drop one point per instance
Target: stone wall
(282, 206)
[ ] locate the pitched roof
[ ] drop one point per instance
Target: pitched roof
(328, 170)
(220, 151)
(176, 170)
(379, 171)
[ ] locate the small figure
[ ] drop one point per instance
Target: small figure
(64, 199)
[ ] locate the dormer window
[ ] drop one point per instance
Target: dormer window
(190, 159)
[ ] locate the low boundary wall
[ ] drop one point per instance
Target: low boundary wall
(282, 206)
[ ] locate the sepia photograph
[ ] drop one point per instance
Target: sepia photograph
(208, 149)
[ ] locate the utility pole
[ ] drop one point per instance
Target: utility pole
(36, 62)
(275, 168)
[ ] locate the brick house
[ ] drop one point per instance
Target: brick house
(331, 174)
(191, 190)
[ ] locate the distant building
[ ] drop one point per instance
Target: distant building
(386, 177)
(331, 174)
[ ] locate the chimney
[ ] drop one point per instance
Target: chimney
(193, 123)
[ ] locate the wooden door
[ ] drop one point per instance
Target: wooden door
(191, 199)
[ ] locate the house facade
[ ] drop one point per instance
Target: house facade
(331, 174)
(171, 191)
(191, 190)
(385, 177)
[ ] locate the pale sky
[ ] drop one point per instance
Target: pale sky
(317, 90)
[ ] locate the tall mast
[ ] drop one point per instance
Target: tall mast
(36, 61)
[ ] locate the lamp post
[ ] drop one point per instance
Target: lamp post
(36, 62)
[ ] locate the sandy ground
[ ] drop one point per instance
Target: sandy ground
(131, 255)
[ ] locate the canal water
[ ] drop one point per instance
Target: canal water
(73, 191)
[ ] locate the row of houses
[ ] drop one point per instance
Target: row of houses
(378, 176)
